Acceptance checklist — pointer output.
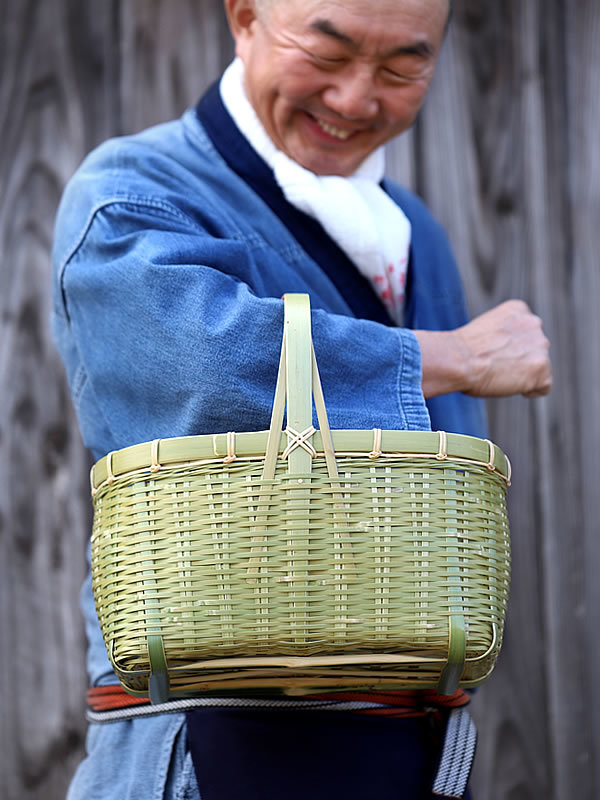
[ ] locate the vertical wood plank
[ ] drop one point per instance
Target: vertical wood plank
(171, 52)
(470, 177)
(498, 167)
(52, 110)
(580, 118)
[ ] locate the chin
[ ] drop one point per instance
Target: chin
(323, 165)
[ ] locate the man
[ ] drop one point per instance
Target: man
(173, 249)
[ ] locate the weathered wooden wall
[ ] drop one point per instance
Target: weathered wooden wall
(510, 163)
(506, 155)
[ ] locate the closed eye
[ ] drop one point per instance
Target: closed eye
(413, 73)
(395, 76)
(329, 59)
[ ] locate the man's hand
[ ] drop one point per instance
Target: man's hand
(502, 352)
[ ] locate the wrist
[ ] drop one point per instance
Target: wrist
(445, 362)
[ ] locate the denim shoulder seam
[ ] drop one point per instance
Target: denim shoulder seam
(137, 201)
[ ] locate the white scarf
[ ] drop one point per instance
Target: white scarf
(356, 213)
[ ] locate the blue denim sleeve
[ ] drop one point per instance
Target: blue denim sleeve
(169, 330)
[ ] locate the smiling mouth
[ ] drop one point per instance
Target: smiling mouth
(331, 130)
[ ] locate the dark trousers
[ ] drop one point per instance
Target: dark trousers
(311, 755)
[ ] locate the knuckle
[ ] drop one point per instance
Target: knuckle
(536, 327)
(519, 306)
(546, 379)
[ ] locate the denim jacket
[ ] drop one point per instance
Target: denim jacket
(168, 274)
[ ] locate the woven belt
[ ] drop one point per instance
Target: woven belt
(112, 704)
(458, 753)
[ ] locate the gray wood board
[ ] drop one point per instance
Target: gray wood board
(51, 112)
(510, 166)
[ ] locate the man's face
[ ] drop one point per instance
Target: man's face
(332, 80)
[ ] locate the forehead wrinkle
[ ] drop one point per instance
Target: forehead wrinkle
(421, 48)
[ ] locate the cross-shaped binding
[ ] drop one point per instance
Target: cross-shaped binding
(296, 439)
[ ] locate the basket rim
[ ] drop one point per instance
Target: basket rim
(225, 448)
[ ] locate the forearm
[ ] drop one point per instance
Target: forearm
(173, 341)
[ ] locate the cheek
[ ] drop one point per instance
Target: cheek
(299, 80)
(403, 106)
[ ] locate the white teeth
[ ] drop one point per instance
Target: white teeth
(333, 131)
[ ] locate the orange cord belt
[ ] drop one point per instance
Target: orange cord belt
(102, 700)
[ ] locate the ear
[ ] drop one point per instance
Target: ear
(241, 15)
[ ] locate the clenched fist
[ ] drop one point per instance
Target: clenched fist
(502, 352)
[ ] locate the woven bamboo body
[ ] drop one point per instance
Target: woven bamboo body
(377, 576)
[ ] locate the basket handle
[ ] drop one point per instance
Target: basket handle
(298, 381)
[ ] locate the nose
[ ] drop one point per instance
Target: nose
(352, 93)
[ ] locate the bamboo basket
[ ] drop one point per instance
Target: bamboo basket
(300, 560)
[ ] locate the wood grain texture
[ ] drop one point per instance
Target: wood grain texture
(46, 128)
(171, 53)
(581, 119)
(505, 153)
(509, 167)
